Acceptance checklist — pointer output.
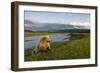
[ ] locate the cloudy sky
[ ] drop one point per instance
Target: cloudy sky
(58, 17)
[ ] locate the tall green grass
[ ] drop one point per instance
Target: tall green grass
(74, 49)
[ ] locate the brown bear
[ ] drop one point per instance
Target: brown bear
(43, 44)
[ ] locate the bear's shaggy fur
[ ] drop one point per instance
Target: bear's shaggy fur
(43, 44)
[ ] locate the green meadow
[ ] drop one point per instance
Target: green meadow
(77, 48)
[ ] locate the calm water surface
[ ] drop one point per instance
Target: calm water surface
(30, 42)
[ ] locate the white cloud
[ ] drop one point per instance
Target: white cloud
(27, 25)
(81, 24)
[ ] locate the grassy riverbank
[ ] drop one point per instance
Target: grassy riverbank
(77, 48)
(27, 34)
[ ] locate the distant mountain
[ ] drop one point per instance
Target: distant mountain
(27, 30)
(73, 30)
(30, 22)
(36, 26)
